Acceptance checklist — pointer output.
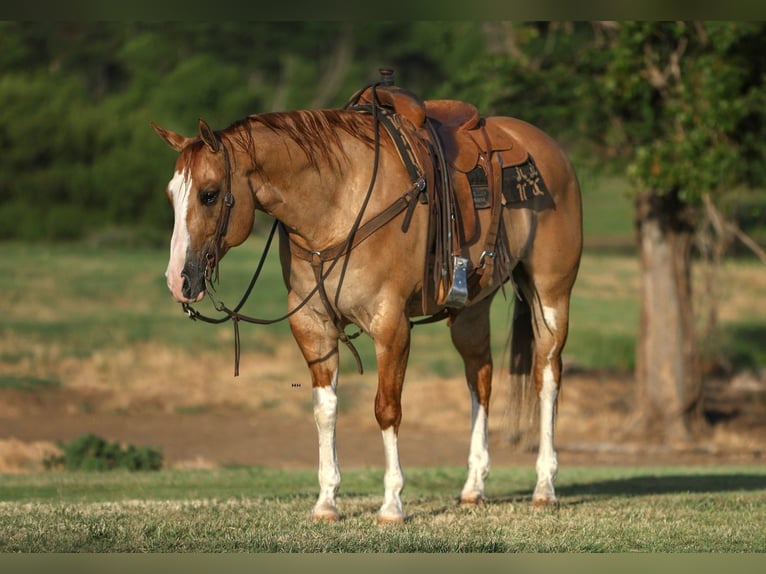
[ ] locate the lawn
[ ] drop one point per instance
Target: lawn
(603, 510)
(68, 308)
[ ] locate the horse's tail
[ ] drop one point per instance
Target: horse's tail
(523, 412)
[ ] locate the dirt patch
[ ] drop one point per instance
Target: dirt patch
(18, 456)
(200, 416)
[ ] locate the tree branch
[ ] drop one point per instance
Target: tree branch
(659, 79)
(726, 229)
(338, 67)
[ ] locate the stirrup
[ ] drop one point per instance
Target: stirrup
(458, 291)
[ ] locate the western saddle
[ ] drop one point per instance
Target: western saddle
(463, 158)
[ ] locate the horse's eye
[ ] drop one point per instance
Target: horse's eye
(208, 197)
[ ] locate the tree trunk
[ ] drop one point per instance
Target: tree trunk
(669, 385)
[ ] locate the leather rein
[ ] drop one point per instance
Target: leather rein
(331, 255)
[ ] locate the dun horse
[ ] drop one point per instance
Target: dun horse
(388, 209)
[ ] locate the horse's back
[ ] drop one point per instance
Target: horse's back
(552, 234)
(550, 157)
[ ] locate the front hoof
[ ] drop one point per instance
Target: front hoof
(390, 518)
(325, 514)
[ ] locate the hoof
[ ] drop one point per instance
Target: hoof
(544, 503)
(384, 519)
(472, 500)
(325, 514)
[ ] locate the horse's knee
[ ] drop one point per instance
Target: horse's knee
(388, 413)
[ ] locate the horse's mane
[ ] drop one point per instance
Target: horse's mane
(317, 132)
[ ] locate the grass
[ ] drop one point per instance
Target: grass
(609, 509)
(607, 213)
(30, 384)
(68, 303)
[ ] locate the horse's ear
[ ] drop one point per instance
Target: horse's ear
(207, 135)
(174, 140)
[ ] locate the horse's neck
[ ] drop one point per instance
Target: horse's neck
(305, 199)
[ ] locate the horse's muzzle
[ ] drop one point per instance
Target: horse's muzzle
(193, 287)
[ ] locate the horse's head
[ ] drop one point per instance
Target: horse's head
(213, 209)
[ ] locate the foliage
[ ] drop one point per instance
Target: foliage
(689, 99)
(78, 156)
(92, 453)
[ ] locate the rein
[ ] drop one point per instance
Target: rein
(333, 255)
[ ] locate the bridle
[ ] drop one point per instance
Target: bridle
(332, 255)
(224, 216)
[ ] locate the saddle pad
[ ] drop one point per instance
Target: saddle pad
(524, 187)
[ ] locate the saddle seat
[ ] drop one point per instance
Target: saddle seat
(453, 114)
(463, 132)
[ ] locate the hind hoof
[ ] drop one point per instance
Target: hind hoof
(472, 500)
(545, 503)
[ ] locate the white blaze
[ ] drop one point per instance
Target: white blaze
(178, 188)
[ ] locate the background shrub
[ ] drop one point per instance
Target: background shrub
(91, 452)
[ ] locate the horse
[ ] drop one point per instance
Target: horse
(356, 248)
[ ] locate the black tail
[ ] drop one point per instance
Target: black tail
(523, 395)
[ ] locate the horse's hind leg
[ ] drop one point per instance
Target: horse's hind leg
(471, 337)
(551, 323)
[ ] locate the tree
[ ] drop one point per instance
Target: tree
(76, 99)
(688, 100)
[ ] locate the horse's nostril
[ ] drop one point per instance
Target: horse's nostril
(186, 286)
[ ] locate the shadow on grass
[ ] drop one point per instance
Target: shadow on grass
(667, 484)
(648, 485)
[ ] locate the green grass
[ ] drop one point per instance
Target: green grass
(609, 509)
(607, 213)
(26, 383)
(85, 299)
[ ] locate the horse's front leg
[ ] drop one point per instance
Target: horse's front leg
(392, 346)
(471, 336)
(317, 340)
(325, 415)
